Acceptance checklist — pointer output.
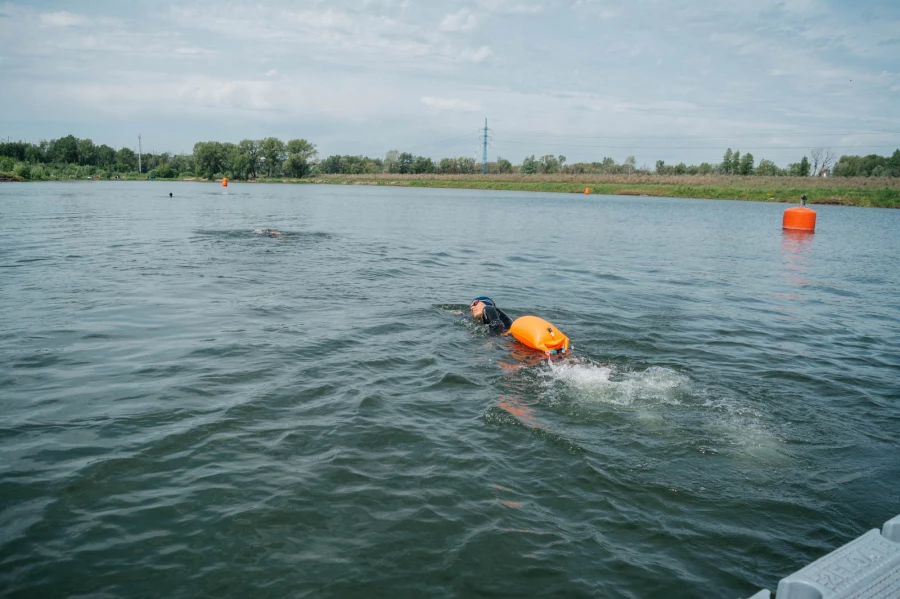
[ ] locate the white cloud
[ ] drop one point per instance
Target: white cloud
(193, 51)
(600, 9)
(681, 69)
(802, 7)
(215, 93)
(513, 7)
(91, 43)
(478, 55)
(62, 19)
(358, 37)
(241, 102)
(451, 104)
(189, 94)
(462, 20)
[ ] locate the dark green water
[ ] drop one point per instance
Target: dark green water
(188, 409)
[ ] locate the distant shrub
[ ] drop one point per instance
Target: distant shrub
(163, 171)
(38, 172)
(23, 169)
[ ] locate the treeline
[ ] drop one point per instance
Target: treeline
(820, 163)
(733, 163)
(72, 157)
(248, 159)
(397, 163)
(872, 165)
(251, 158)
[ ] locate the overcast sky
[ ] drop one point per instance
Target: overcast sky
(676, 80)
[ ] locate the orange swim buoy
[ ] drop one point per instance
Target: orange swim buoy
(799, 218)
(224, 181)
(539, 334)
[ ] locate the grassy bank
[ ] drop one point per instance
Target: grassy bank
(867, 192)
(883, 193)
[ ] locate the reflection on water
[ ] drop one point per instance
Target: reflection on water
(519, 407)
(796, 248)
(795, 241)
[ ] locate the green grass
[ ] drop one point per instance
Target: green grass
(882, 193)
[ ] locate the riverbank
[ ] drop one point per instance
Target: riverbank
(881, 193)
(863, 192)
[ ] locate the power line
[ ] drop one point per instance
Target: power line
(741, 136)
(806, 147)
(433, 143)
(539, 143)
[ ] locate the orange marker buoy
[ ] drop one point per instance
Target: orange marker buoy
(587, 190)
(799, 218)
(224, 181)
(537, 333)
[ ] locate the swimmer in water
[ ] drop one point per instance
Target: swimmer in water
(484, 309)
(269, 233)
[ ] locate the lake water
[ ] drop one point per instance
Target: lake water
(188, 409)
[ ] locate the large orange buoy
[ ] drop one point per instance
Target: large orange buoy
(587, 190)
(799, 218)
(539, 334)
(224, 181)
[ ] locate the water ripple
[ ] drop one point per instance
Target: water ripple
(191, 409)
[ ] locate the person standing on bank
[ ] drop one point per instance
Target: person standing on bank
(484, 309)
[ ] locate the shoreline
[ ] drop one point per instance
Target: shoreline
(865, 193)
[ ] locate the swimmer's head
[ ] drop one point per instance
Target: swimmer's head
(478, 304)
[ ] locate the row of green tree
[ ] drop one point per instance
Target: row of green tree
(251, 158)
(270, 157)
(820, 163)
(395, 162)
(70, 156)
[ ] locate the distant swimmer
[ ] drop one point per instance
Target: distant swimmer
(269, 233)
(484, 309)
(170, 194)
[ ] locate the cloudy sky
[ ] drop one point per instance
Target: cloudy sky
(677, 80)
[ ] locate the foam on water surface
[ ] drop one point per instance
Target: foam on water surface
(606, 383)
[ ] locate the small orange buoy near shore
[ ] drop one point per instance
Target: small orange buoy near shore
(587, 190)
(799, 218)
(224, 181)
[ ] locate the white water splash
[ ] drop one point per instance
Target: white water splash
(607, 384)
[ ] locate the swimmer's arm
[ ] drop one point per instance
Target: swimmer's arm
(493, 320)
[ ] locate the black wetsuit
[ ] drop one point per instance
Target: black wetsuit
(496, 319)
